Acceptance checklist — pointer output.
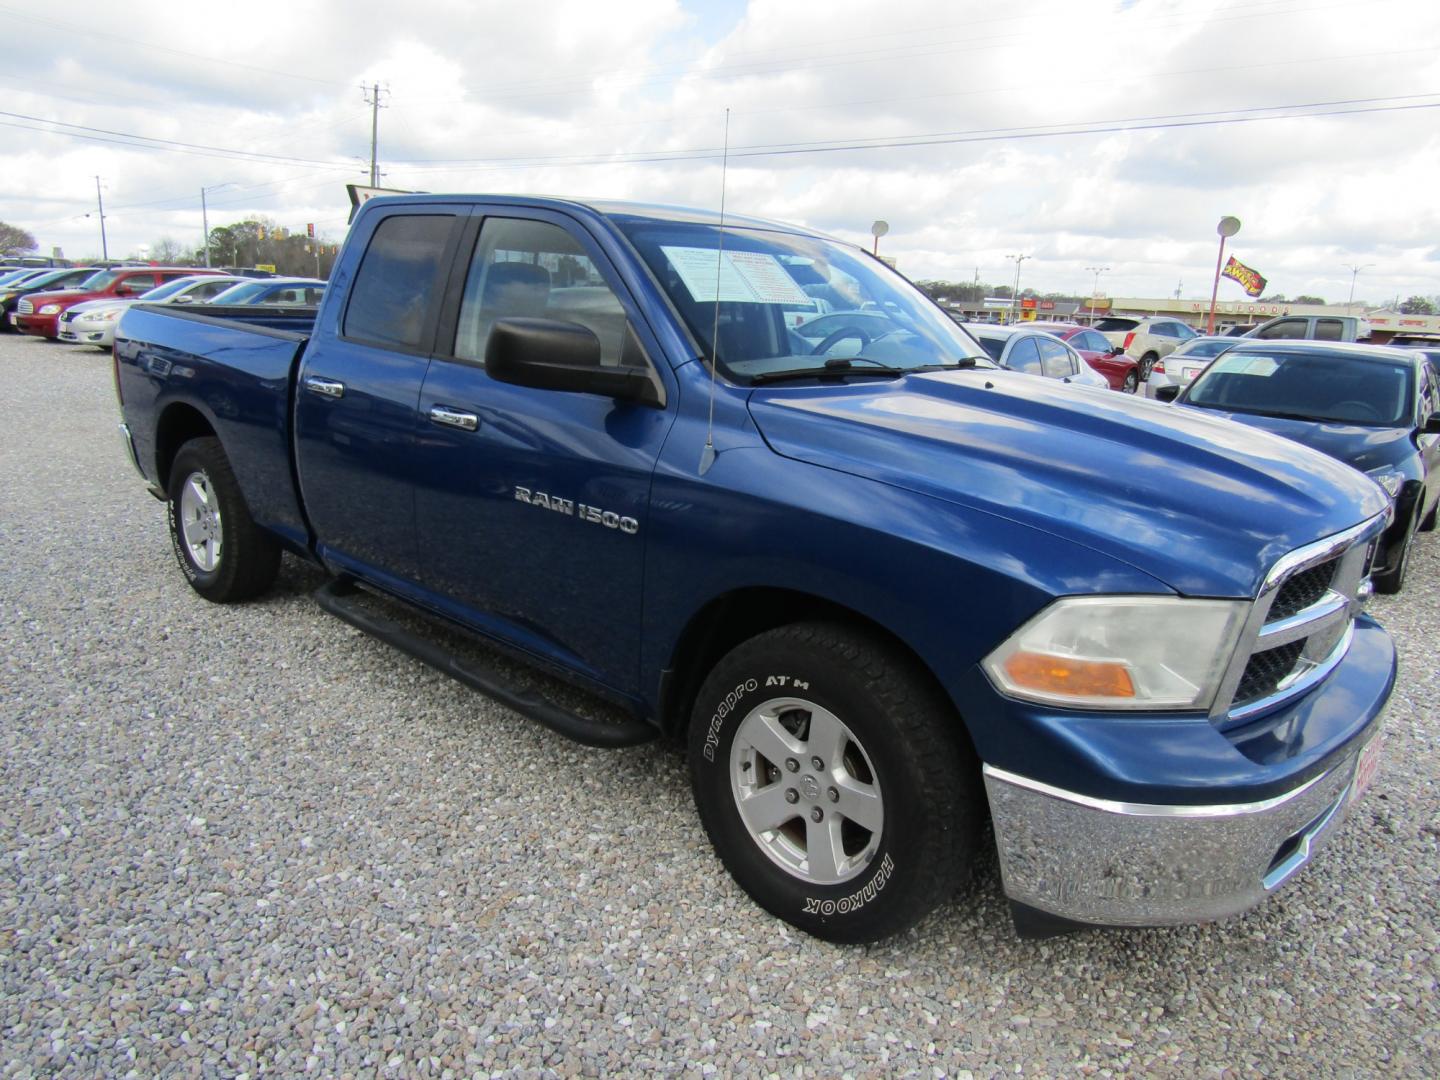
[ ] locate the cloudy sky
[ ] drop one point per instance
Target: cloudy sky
(1083, 134)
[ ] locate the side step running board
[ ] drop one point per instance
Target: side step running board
(339, 598)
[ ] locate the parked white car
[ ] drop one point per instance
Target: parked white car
(1182, 365)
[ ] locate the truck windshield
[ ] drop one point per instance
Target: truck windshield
(1328, 387)
(771, 291)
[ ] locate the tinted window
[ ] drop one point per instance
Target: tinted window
(992, 346)
(1328, 329)
(398, 282)
(1310, 386)
(533, 269)
(1025, 356)
(1284, 329)
(1207, 348)
(1109, 326)
(1055, 360)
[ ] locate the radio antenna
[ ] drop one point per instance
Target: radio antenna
(707, 456)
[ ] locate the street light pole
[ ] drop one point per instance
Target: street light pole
(1015, 293)
(100, 202)
(1354, 273)
(1227, 228)
(205, 216)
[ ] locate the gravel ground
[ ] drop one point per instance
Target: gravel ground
(245, 841)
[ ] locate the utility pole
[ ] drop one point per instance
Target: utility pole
(100, 202)
(1179, 288)
(1015, 294)
(1354, 273)
(372, 98)
(205, 215)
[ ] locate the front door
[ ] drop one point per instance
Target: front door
(531, 506)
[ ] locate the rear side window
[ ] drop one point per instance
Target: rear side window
(399, 280)
(1328, 329)
(1110, 326)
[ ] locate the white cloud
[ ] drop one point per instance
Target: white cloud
(496, 87)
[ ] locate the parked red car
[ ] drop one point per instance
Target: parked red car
(1120, 371)
(39, 313)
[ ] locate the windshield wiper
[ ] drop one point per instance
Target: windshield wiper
(835, 367)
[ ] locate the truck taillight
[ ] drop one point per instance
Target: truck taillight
(1128, 339)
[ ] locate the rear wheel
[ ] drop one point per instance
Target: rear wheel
(222, 552)
(833, 781)
(1131, 383)
(1148, 361)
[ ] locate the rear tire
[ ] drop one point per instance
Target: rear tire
(834, 781)
(222, 552)
(1148, 361)
(1132, 382)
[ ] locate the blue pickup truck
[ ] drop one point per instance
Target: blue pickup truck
(883, 591)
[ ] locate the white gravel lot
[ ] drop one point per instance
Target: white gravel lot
(250, 841)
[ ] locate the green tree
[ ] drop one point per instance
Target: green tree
(1417, 305)
(15, 240)
(1309, 300)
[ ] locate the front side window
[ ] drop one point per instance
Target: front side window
(1025, 356)
(1285, 329)
(1055, 360)
(398, 282)
(533, 269)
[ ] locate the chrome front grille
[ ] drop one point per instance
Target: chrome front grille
(25, 307)
(1300, 625)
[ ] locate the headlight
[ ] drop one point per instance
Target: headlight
(1392, 480)
(1121, 652)
(110, 314)
(50, 309)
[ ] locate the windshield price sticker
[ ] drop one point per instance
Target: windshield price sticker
(746, 277)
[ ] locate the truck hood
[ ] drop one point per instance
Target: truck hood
(1202, 504)
(1363, 448)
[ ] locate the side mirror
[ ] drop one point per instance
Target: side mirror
(183, 300)
(548, 354)
(1118, 350)
(1167, 393)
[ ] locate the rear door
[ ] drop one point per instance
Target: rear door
(358, 387)
(533, 506)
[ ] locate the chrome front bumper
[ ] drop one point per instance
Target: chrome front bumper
(1111, 863)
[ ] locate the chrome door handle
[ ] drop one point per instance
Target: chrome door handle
(324, 387)
(465, 421)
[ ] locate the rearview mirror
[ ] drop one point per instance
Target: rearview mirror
(1167, 393)
(549, 354)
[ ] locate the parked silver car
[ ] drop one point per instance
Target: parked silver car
(1035, 352)
(94, 321)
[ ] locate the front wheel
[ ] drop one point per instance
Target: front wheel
(222, 552)
(1393, 580)
(1131, 383)
(833, 781)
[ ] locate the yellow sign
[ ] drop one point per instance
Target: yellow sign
(265, 266)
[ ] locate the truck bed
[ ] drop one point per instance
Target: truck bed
(179, 370)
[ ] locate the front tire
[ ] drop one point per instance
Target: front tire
(1131, 383)
(1393, 580)
(834, 781)
(222, 552)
